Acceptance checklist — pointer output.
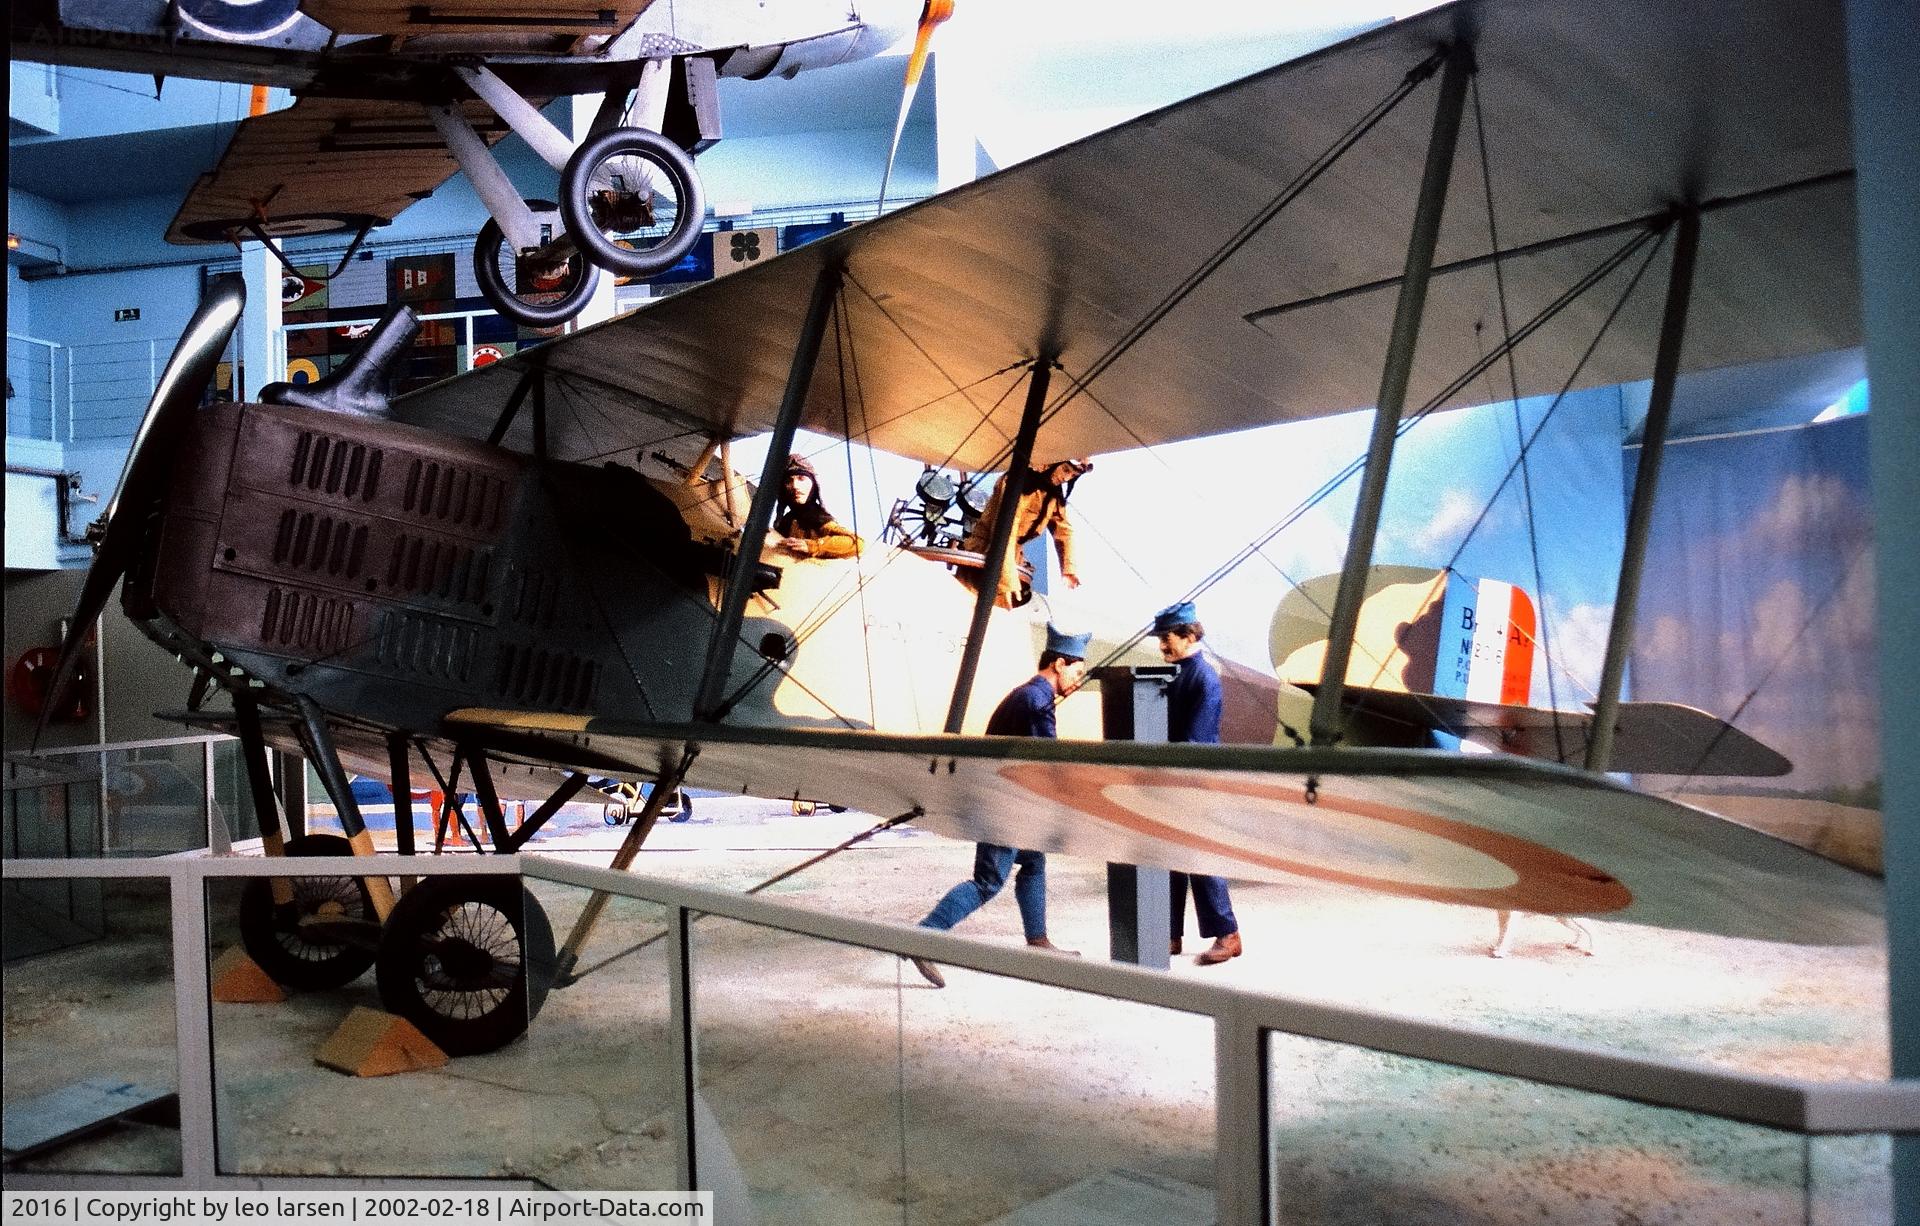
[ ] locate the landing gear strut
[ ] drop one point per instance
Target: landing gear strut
(466, 958)
(630, 198)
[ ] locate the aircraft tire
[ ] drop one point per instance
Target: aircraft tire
(468, 960)
(494, 287)
(272, 940)
(576, 191)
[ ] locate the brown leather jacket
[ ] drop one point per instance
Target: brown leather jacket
(832, 539)
(1040, 509)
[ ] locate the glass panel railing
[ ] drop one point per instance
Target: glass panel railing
(1850, 1181)
(1363, 1136)
(603, 1034)
(91, 1064)
(156, 799)
(52, 809)
(328, 1082)
(870, 1094)
(381, 1106)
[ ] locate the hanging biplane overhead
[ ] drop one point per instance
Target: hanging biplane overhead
(394, 98)
(548, 565)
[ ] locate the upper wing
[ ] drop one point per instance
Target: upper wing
(1657, 738)
(1486, 831)
(1595, 115)
(322, 164)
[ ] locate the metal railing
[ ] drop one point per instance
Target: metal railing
(37, 399)
(466, 319)
(1243, 1022)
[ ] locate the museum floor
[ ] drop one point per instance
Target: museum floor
(848, 1090)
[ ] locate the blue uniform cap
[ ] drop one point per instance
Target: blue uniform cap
(1061, 643)
(1182, 614)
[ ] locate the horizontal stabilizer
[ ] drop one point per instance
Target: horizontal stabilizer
(1651, 738)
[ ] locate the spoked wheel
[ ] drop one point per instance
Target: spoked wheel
(632, 201)
(303, 946)
(542, 291)
(679, 807)
(455, 961)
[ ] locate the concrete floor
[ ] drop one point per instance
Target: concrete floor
(850, 1091)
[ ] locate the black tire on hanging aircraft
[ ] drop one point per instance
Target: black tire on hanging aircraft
(468, 960)
(558, 293)
(605, 214)
(293, 944)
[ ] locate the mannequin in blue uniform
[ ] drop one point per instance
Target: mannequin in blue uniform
(1027, 711)
(1193, 714)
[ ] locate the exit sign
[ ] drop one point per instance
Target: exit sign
(126, 315)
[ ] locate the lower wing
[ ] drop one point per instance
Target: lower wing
(1488, 831)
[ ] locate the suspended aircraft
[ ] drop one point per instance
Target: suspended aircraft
(393, 98)
(541, 570)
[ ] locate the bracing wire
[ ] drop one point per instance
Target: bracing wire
(843, 343)
(1595, 275)
(1519, 425)
(1258, 222)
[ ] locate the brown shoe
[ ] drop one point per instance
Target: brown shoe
(1173, 947)
(929, 972)
(1050, 947)
(1223, 948)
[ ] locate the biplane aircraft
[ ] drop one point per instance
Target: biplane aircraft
(547, 568)
(394, 98)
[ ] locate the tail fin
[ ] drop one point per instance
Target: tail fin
(1420, 630)
(1489, 629)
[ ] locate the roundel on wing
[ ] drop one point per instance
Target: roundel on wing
(302, 370)
(1343, 840)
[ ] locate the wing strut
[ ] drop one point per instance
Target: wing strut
(1001, 540)
(511, 409)
(848, 844)
(753, 536)
(1327, 718)
(1666, 369)
(664, 786)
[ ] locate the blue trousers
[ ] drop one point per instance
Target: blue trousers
(991, 864)
(1210, 903)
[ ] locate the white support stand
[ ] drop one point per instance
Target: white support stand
(956, 116)
(490, 182)
(545, 138)
(262, 356)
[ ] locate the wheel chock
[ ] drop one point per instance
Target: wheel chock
(370, 1043)
(237, 979)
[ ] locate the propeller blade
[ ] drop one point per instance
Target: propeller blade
(936, 12)
(175, 397)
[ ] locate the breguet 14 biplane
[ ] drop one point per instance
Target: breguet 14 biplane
(547, 568)
(393, 98)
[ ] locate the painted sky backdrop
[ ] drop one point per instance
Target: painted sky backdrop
(1760, 597)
